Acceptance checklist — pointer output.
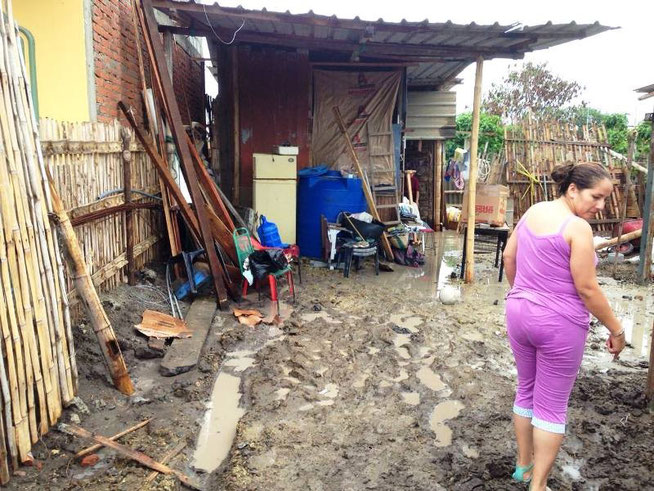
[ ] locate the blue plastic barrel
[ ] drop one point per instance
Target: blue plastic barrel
(323, 192)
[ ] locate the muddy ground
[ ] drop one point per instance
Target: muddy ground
(370, 383)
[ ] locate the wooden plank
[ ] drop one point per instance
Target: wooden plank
(157, 59)
(184, 354)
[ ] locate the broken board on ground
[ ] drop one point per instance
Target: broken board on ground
(184, 354)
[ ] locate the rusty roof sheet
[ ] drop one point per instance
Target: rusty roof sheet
(436, 52)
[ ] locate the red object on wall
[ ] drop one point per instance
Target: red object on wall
(274, 91)
(117, 70)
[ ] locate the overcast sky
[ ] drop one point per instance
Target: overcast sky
(609, 65)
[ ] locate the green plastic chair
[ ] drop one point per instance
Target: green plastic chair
(244, 248)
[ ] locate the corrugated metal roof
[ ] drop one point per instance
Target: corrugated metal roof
(438, 52)
(647, 91)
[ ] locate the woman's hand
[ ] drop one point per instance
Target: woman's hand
(615, 344)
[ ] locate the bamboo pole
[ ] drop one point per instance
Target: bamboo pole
(472, 182)
(438, 182)
(84, 285)
(366, 189)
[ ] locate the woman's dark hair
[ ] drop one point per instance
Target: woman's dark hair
(584, 175)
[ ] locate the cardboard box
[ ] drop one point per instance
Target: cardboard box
(490, 204)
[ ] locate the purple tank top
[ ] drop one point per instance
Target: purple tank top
(543, 273)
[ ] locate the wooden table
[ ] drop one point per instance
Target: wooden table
(502, 235)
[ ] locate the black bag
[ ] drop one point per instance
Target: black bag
(267, 261)
(369, 231)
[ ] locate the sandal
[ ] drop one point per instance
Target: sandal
(520, 471)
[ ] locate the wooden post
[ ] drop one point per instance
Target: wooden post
(645, 266)
(649, 392)
(236, 130)
(409, 188)
(89, 297)
(129, 211)
(625, 196)
(438, 182)
(157, 58)
(472, 181)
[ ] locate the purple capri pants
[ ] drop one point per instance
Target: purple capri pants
(548, 349)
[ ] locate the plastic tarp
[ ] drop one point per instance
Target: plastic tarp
(366, 101)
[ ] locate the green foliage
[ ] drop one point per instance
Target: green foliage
(616, 124)
(491, 130)
(643, 137)
(530, 89)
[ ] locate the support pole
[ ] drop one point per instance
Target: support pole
(438, 182)
(472, 182)
(129, 211)
(649, 392)
(236, 130)
(645, 267)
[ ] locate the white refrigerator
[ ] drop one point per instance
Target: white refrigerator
(275, 191)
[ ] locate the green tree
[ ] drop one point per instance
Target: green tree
(532, 88)
(643, 137)
(491, 131)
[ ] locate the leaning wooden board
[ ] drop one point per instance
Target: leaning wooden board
(184, 354)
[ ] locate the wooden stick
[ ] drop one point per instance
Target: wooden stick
(437, 160)
(128, 452)
(623, 238)
(625, 196)
(129, 213)
(646, 245)
(166, 458)
(472, 181)
(98, 317)
(98, 446)
(366, 189)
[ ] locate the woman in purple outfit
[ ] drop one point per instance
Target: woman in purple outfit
(550, 264)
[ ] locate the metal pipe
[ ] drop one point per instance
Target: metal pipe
(31, 54)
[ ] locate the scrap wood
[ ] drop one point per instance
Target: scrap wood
(242, 312)
(128, 452)
(97, 446)
(89, 296)
(159, 325)
(250, 320)
(623, 238)
(166, 458)
(166, 94)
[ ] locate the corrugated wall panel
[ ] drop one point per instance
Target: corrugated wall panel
(431, 115)
(274, 90)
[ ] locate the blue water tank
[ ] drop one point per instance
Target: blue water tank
(323, 192)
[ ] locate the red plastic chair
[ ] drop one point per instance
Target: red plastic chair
(245, 246)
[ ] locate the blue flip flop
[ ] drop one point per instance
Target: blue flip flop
(520, 471)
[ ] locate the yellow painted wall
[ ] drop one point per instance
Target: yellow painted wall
(58, 29)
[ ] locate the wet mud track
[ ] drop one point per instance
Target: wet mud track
(376, 385)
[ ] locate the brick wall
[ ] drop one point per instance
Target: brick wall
(188, 82)
(117, 71)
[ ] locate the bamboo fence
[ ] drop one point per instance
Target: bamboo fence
(37, 360)
(86, 163)
(38, 372)
(533, 150)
